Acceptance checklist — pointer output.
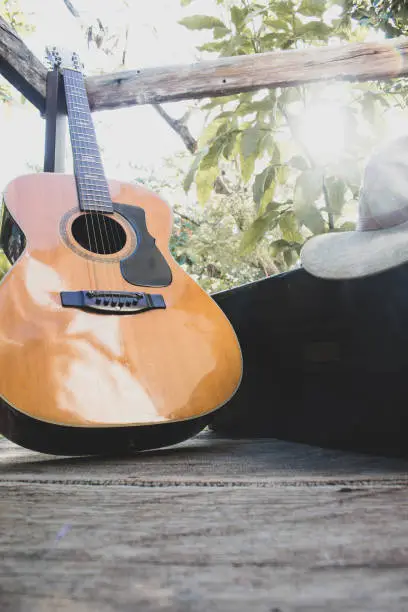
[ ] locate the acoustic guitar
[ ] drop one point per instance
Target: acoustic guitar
(106, 344)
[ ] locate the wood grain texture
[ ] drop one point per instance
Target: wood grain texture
(226, 525)
(21, 67)
(223, 76)
(229, 75)
(210, 461)
(71, 367)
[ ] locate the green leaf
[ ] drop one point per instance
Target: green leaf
(308, 188)
(250, 140)
(257, 230)
(282, 8)
(218, 102)
(220, 32)
(269, 145)
(213, 47)
(283, 174)
(247, 166)
(231, 138)
(314, 30)
(336, 190)
(269, 42)
(201, 22)
(4, 264)
(289, 227)
(255, 106)
(277, 24)
(267, 197)
(262, 183)
(238, 16)
(313, 220)
(278, 246)
(211, 130)
(298, 162)
(312, 8)
(189, 178)
(208, 168)
(290, 256)
(205, 182)
(211, 158)
(237, 45)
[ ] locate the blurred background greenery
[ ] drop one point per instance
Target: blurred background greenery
(255, 174)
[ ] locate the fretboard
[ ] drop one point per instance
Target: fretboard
(92, 186)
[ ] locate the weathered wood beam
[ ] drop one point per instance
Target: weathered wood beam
(224, 76)
(229, 75)
(21, 67)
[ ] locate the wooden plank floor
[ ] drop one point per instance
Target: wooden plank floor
(212, 524)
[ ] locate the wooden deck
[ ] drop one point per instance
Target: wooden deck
(213, 524)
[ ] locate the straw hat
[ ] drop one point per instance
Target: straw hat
(380, 241)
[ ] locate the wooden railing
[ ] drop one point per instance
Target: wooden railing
(224, 76)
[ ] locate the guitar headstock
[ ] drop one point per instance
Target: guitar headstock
(58, 57)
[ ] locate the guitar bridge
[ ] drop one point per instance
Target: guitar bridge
(112, 302)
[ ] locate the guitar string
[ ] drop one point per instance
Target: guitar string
(101, 219)
(67, 85)
(74, 120)
(115, 230)
(69, 81)
(91, 268)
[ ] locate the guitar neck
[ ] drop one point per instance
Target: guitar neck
(92, 186)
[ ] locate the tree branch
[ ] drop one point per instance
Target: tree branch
(182, 130)
(71, 8)
(179, 127)
(186, 217)
(125, 46)
(330, 217)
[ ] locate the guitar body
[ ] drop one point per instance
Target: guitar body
(77, 381)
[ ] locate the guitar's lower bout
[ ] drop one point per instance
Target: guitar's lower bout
(63, 440)
(79, 378)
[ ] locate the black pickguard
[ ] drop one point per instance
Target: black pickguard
(146, 266)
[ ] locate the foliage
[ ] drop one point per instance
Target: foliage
(4, 264)
(206, 241)
(283, 181)
(390, 16)
(11, 11)
(278, 141)
(207, 247)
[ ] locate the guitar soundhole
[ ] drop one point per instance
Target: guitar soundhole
(98, 233)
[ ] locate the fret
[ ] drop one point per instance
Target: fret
(81, 148)
(92, 186)
(89, 192)
(95, 205)
(90, 173)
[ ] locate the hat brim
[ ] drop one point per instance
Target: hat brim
(356, 254)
